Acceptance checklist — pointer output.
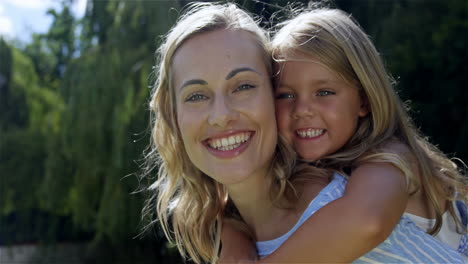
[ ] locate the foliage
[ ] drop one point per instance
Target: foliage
(73, 110)
(74, 121)
(32, 116)
(430, 61)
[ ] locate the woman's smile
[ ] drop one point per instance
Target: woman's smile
(230, 144)
(225, 108)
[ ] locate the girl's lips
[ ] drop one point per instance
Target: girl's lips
(229, 145)
(309, 133)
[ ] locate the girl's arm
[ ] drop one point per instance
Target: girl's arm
(347, 228)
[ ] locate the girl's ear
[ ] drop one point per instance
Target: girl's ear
(365, 108)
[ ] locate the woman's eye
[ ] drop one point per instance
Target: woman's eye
(195, 97)
(243, 87)
(324, 93)
(285, 96)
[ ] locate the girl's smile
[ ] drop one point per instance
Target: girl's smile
(309, 133)
(317, 110)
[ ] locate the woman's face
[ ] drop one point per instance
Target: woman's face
(224, 104)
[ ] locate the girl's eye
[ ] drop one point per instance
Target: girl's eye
(195, 97)
(243, 87)
(324, 93)
(285, 96)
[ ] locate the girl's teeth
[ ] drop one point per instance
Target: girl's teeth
(310, 133)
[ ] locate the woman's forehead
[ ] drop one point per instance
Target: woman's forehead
(217, 53)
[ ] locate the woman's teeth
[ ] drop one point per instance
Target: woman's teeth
(228, 143)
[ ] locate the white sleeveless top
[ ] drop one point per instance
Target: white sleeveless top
(448, 232)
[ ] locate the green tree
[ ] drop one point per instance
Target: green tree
(32, 114)
(427, 57)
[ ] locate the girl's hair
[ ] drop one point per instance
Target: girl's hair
(190, 204)
(332, 37)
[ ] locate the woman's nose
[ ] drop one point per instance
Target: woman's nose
(222, 113)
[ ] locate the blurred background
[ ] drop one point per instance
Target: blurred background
(74, 88)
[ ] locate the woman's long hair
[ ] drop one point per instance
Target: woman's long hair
(189, 204)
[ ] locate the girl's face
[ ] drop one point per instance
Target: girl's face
(225, 105)
(317, 111)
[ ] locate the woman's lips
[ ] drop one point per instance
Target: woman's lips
(229, 145)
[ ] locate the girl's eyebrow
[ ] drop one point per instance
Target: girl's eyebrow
(323, 81)
(315, 82)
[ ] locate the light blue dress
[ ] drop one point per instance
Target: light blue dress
(406, 244)
(463, 210)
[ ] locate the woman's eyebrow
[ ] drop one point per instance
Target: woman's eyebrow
(238, 70)
(230, 75)
(192, 82)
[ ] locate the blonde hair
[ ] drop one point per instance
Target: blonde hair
(190, 204)
(332, 37)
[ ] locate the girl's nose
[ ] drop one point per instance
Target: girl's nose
(303, 108)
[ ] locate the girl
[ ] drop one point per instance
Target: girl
(215, 138)
(336, 106)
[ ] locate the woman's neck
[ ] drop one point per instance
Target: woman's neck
(252, 200)
(267, 221)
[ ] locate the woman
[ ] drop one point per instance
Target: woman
(215, 133)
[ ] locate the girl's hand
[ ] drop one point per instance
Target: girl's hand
(237, 247)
